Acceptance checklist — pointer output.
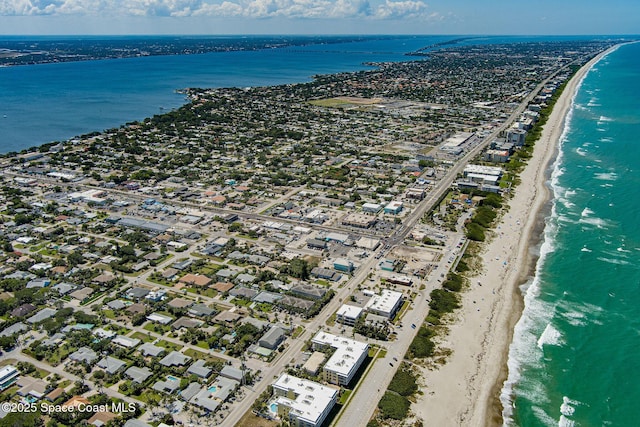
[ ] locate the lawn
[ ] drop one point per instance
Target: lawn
(142, 337)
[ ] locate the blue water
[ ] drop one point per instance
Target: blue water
(574, 359)
(54, 102)
(49, 102)
(213, 389)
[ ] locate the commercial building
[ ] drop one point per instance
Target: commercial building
(304, 403)
(359, 220)
(371, 208)
(386, 304)
(344, 265)
(346, 359)
(393, 208)
(348, 314)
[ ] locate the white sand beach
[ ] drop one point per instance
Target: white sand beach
(465, 391)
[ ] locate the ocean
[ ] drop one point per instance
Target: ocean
(574, 357)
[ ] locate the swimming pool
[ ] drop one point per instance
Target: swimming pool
(274, 408)
(213, 389)
(172, 378)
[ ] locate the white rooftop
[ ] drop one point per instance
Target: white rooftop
(311, 398)
(349, 311)
(347, 352)
(483, 170)
(385, 302)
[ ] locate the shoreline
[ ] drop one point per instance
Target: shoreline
(468, 385)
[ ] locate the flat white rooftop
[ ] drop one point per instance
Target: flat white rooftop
(385, 302)
(347, 353)
(311, 398)
(349, 311)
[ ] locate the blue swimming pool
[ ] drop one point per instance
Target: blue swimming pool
(172, 378)
(274, 408)
(213, 389)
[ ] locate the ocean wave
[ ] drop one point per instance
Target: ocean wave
(606, 176)
(586, 212)
(605, 119)
(566, 203)
(550, 336)
(598, 222)
(581, 151)
(544, 418)
(579, 314)
(565, 422)
(585, 249)
(606, 139)
(616, 261)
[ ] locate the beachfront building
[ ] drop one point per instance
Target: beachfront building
(304, 403)
(347, 358)
(483, 174)
(386, 304)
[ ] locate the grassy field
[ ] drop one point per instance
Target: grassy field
(250, 420)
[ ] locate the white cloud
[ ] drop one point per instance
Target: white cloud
(307, 9)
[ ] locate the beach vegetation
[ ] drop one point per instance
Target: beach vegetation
(442, 302)
(454, 281)
(422, 346)
(475, 232)
(404, 381)
(394, 406)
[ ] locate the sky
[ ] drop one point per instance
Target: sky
(513, 17)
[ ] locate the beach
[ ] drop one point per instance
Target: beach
(465, 390)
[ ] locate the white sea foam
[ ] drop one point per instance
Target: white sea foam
(565, 422)
(605, 119)
(581, 151)
(544, 418)
(598, 222)
(566, 203)
(606, 176)
(580, 314)
(606, 139)
(586, 212)
(614, 261)
(550, 336)
(585, 249)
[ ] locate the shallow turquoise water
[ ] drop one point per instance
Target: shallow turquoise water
(573, 361)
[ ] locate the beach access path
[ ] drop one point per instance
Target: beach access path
(465, 390)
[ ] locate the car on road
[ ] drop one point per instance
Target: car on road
(390, 364)
(413, 326)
